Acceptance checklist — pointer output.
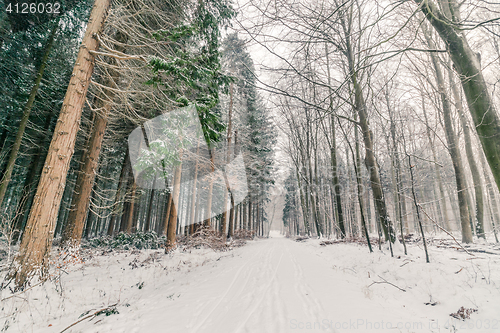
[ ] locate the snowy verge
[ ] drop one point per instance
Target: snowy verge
(93, 279)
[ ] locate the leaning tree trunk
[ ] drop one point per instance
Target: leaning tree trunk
(359, 181)
(31, 181)
(7, 175)
(37, 240)
(453, 148)
(466, 63)
(80, 202)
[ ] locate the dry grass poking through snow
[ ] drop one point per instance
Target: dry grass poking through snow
(84, 282)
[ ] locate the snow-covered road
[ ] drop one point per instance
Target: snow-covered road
(279, 285)
(276, 285)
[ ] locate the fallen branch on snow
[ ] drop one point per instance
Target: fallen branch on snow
(385, 281)
(95, 314)
(446, 231)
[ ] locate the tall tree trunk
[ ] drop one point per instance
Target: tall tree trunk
(150, 208)
(192, 215)
(174, 208)
(85, 181)
(36, 243)
(444, 206)
(31, 181)
(400, 201)
(453, 147)
(314, 201)
(129, 218)
(466, 63)
(305, 208)
(7, 175)
(359, 182)
(208, 211)
(370, 160)
(118, 194)
(228, 158)
(476, 177)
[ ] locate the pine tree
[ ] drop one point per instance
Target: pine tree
(36, 243)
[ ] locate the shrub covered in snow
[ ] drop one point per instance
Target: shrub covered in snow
(125, 241)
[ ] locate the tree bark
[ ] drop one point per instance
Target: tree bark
(466, 63)
(453, 148)
(174, 207)
(476, 177)
(80, 203)
(36, 243)
(31, 181)
(370, 160)
(118, 195)
(444, 206)
(208, 212)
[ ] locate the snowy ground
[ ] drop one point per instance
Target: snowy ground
(271, 285)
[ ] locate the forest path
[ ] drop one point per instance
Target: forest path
(274, 285)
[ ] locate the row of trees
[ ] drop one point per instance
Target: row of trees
(137, 60)
(373, 100)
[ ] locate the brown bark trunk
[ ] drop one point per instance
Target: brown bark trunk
(118, 195)
(207, 221)
(129, 225)
(36, 243)
(85, 181)
(164, 229)
(31, 182)
(174, 207)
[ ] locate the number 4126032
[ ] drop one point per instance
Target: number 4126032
(34, 8)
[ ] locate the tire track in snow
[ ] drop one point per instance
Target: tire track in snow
(242, 287)
(256, 305)
(311, 305)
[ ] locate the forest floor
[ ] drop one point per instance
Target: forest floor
(269, 285)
